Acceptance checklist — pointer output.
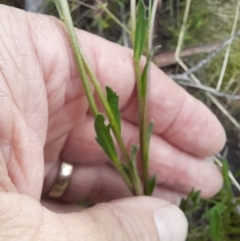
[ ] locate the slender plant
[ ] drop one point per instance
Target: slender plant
(214, 219)
(141, 22)
(142, 31)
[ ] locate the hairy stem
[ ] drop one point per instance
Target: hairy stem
(142, 115)
(85, 72)
(63, 8)
(116, 131)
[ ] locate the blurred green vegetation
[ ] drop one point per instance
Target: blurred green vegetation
(214, 219)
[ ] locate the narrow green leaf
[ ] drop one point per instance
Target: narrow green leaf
(141, 31)
(125, 168)
(215, 226)
(134, 171)
(151, 184)
(227, 181)
(149, 131)
(214, 216)
(145, 73)
(195, 197)
(104, 137)
(112, 99)
(134, 150)
(191, 203)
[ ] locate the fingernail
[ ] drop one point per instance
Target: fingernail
(171, 224)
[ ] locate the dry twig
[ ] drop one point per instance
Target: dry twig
(168, 58)
(187, 81)
(213, 54)
(225, 62)
(193, 77)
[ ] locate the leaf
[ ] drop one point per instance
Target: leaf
(146, 70)
(104, 137)
(135, 176)
(134, 150)
(125, 168)
(151, 184)
(149, 132)
(215, 226)
(227, 181)
(141, 31)
(191, 203)
(195, 197)
(112, 99)
(214, 216)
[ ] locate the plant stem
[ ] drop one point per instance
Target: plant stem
(142, 115)
(133, 19)
(84, 70)
(142, 84)
(152, 16)
(125, 177)
(62, 6)
(116, 131)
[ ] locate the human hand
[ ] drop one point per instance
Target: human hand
(44, 114)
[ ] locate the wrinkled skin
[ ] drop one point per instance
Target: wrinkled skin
(44, 114)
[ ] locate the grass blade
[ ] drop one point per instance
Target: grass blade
(214, 216)
(227, 181)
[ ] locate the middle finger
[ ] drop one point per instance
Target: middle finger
(174, 168)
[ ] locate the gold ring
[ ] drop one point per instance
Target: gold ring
(62, 181)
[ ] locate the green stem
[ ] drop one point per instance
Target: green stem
(142, 115)
(64, 11)
(142, 84)
(122, 172)
(144, 145)
(84, 70)
(132, 169)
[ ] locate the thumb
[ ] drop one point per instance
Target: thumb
(134, 219)
(137, 219)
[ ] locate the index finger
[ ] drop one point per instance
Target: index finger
(182, 120)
